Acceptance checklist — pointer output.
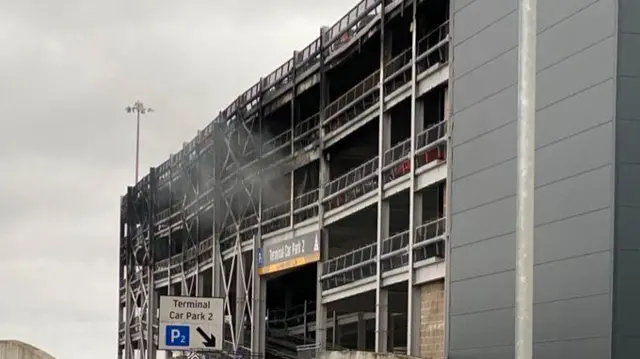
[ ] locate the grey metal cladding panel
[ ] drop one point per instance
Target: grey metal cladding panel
(492, 220)
(564, 80)
(628, 16)
(629, 54)
(504, 352)
(484, 81)
(561, 32)
(568, 279)
(553, 122)
(628, 90)
(487, 44)
(484, 329)
(574, 154)
(551, 12)
(628, 230)
(459, 4)
(593, 348)
(585, 317)
(577, 235)
(479, 14)
(572, 278)
(628, 138)
(597, 348)
(582, 28)
(487, 115)
(571, 197)
(484, 152)
(586, 109)
(573, 36)
(628, 185)
(492, 256)
(482, 187)
(470, 296)
(628, 294)
(580, 71)
(577, 154)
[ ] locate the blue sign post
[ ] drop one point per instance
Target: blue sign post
(177, 335)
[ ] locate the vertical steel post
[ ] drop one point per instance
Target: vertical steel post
(412, 344)
(382, 313)
(151, 289)
(137, 144)
(526, 177)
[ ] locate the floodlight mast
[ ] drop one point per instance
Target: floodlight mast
(139, 109)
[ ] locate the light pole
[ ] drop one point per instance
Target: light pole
(139, 109)
(526, 177)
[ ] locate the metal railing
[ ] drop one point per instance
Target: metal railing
(276, 217)
(394, 251)
(306, 206)
(352, 185)
(429, 240)
(396, 161)
(361, 263)
(306, 132)
(292, 316)
(276, 144)
(366, 92)
(349, 267)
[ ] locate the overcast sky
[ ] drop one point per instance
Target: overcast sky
(67, 70)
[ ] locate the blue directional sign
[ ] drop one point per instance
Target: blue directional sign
(260, 258)
(177, 335)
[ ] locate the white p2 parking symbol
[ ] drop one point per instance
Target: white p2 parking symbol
(177, 335)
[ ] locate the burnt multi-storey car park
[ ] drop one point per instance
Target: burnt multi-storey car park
(351, 143)
(302, 153)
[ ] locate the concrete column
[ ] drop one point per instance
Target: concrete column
(447, 107)
(240, 298)
(419, 119)
(336, 334)
(292, 188)
(321, 312)
(392, 332)
(201, 285)
(362, 332)
(413, 330)
(259, 325)
(382, 321)
(382, 295)
(321, 309)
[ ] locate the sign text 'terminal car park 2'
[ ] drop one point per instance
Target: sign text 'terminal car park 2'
(290, 253)
(190, 323)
